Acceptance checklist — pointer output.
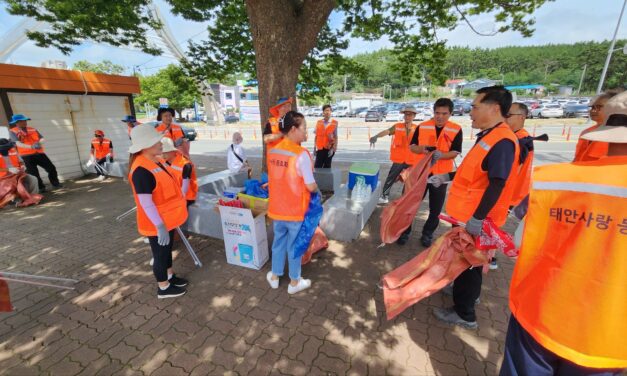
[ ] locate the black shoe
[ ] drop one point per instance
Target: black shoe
(426, 240)
(177, 281)
(42, 190)
(57, 186)
(403, 239)
(171, 292)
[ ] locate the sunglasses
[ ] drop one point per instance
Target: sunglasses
(512, 115)
(596, 107)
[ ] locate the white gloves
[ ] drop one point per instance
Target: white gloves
(163, 235)
(438, 180)
(14, 170)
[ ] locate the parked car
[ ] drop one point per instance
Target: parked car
(458, 109)
(374, 115)
(576, 110)
(190, 133)
(551, 110)
(355, 111)
(340, 112)
(382, 109)
(395, 116)
(362, 113)
(231, 119)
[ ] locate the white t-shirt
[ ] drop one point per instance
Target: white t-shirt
(234, 164)
(304, 167)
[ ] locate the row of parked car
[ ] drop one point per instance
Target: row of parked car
(560, 108)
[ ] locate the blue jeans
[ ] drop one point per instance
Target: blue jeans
(525, 356)
(285, 233)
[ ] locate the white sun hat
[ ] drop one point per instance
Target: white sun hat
(142, 137)
(168, 145)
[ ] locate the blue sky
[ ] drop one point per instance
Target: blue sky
(562, 21)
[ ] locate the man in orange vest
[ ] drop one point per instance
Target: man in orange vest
(482, 187)
(271, 133)
(400, 154)
(445, 137)
(101, 152)
(587, 150)
(30, 147)
(326, 138)
(10, 164)
(568, 294)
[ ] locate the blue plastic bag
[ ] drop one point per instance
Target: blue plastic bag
(253, 188)
(310, 223)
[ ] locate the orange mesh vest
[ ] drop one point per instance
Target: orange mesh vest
(274, 126)
(471, 181)
(13, 159)
(323, 133)
(177, 165)
(289, 197)
(427, 136)
(590, 150)
(175, 132)
(523, 179)
(399, 149)
(28, 136)
(569, 287)
(167, 197)
(101, 149)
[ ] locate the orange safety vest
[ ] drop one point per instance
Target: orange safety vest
(471, 181)
(28, 137)
(101, 149)
(427, 136)
(590, 150)
(569, 286)
(177, 165)
(399, 149)
(289, 197)
(13, 159)
(523, 179)
(274, 126)
(167, 197)
(323, 133)
(174, 133)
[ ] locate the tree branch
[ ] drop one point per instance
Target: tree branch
(463, 16)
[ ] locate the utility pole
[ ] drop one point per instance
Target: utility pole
(610, 50)
(583, 74)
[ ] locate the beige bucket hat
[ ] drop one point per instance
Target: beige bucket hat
(615, 127)
(142, 137)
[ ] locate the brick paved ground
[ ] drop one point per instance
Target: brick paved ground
(230, 321)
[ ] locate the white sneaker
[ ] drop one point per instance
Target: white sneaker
(146, 241)
(274, 283)
(152, 261)
(303, 284)
(383, 200)
(101, 178)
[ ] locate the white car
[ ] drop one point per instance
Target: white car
(551, 110)
(395, 116)
(340, 112)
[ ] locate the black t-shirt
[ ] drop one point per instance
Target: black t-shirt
(456, 145)
(187, 171)
(498, 162)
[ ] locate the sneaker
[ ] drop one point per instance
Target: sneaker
(58, 186)
(152, 261)
(449, 316)
(177, 281)
(171, 292)
(146, 241)
(493, 264)
(274, 283)
(101, 178)
(383, 200)
(426, 240)
(402, 240)
(303, 284)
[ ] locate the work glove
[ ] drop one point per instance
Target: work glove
(14, 170)
(373, 139)
(179, 142)
(474, 226)
(436, 156)
(109, 158)
(438, 180)
(37, 146)
(163, 235)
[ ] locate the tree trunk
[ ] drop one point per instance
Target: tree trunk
(283, 32)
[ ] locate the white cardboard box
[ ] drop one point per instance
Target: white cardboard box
(245, 237)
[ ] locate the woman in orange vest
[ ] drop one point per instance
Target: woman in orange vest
(271, 133)
(183, 168)
(568, 293)
(160, 205)
(482, 187)
(326, 138)
(400, 154)
(291, 181)
(30, 147)
(101, 151)
(168, 128)
(588, 150)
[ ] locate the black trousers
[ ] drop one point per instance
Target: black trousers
(466, 289)
(41, 159)
(101, 163)
(437, 196)
(162, 256)
(395, 171)
(323, 160)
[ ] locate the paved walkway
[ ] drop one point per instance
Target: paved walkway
(230, 321)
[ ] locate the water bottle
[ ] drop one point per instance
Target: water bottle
(368, 192)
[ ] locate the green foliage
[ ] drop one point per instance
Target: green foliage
(172, 83)
(105, 66)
